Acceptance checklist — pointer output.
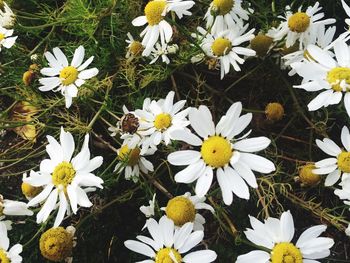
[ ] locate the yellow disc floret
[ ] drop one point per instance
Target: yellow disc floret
(223, 7)
(216, 151)
(181, 210)
(286, 253)
(56, 244)
(336, 75)
(3, 256)
(2, 36)
(154, 11)
(162, 121)
(261, 44)
(131, 156)
(163, 256)
(30, 191)
(221, 46)
(135, 48)
(307, 177)
(68, 75)
(63, 174)
(274, 111)
(344, 162)
(299, 22)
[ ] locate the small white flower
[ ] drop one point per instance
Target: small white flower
(225, 14)
(65, 178)
(276, 235)
(326, 74)
(157, 27)
(148, 211)
(133, 161)
(34, 57)
(226, 47)
(169, 244)
(183, 209)
(14, 208)
(6, 39)
(7, 17)
(339, 164)
(323, 39)
(160, 51)
(135, 47)
(231, 158)
(300, 26)
(160, 118)
(172, 49)
(65, 77)
(7, 255)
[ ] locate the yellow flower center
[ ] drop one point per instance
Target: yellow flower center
(274, 111)
(261, 44)
(68, 75)
(336, 75)
(307, 177)
(286, 253)
(221, 46)
(216, 151)
(2, 36)
(299, 22)
(344, 162)
(163, 256)
(181, 210)
(154, 10)
(162, 121)
(63, 174)
(223, 7)
(56, 244)
(3, 256)
(130, 156)
(135, 48)
(30, 191)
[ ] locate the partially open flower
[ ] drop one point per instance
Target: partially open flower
(56, 244)
(24, 112)
(261, 44)
(274, 111)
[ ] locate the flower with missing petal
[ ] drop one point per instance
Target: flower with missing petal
(276, 236)
(225, 14)
(6, 38)
(65, 77)
(148, 211)
(7, 17)
(300, 26)
(218, 151)
(157, 26)
(65, 180)
(169, 244)
(226, 47)
(329, 75)
(339, 164)
(12, 255)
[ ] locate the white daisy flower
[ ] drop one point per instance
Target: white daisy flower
(323, 39)
(135, 47)
(226, 47)
(148, 211)
(169, 244)
(6, 38)
(276, 235)
(328, 74)
(225, 14)
(339, 164)
(161, 118)
(6, 255)
(231, 158)
(160, 51)
(7, 17)
(157, 27)
(65, 77)
(183, 209)
(133, 161)
(300, 26)
(65, 178)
